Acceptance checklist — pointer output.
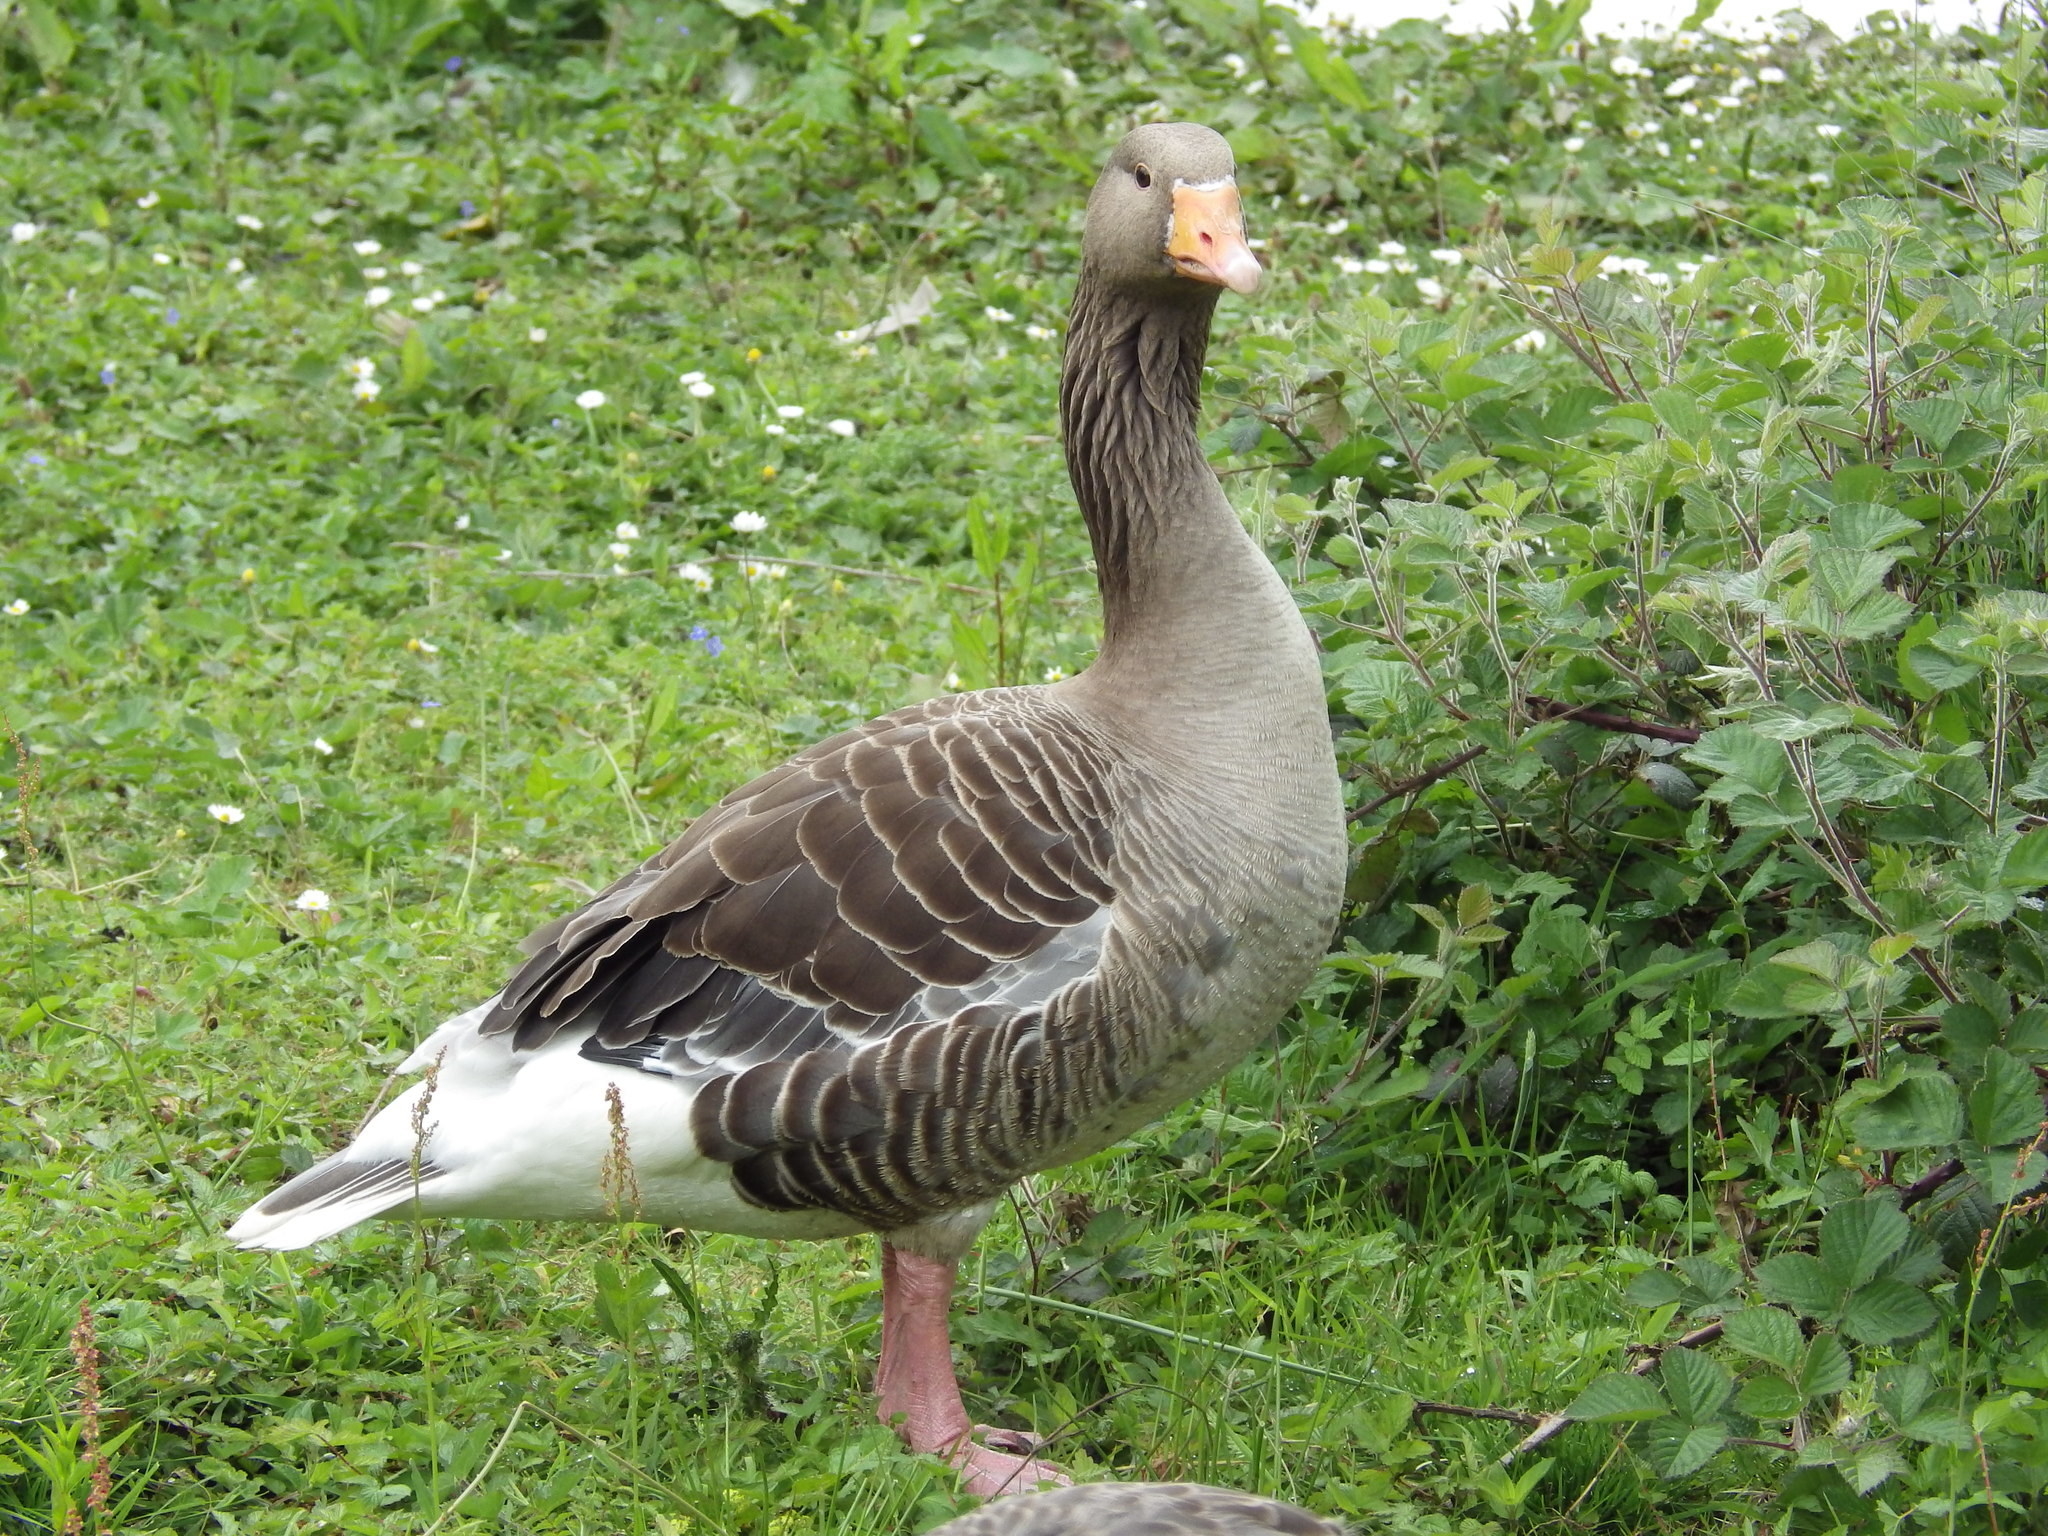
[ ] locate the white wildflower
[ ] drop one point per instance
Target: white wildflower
(366, 389)
(161, 258)
(1040, 332)
(1574, 144)
(790, 412)
(695, 574)
(1624, 66)
(618, 549)
(590, 399)
(1336, 227)
(1430, 289)
(1770, 74)
(425, 303)
(1829, 130)
(235, 265)
(999, 316)
(1350, 266)
(748, 522)
(362, 368)
(1728, 103)
(424, 647)
(761, 570)
(366, 247)
(1393, 248)
(1405, 268)
(1447, 257)
(411, 268)
(248, 221)
(839, 426)
(16, 609)
(1682, 86)
(694, 376)
(311, 900)
(462, 522)
(626, 531)
(1055, 674)
(24, 232)
(1377, 267)
(701, 389)
(537, 334)
(148, 200)
(377, 298)
(323, 746)
(226, 815)
(1531, 341)
(776, 429)
(1234, 62)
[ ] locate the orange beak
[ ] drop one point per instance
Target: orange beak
(1207, 241)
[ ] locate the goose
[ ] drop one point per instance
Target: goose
(982, 936)
(1140, 1509)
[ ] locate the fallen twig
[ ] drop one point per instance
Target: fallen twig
(1168, 1333)
(1554, 1424)
(1508, 1415)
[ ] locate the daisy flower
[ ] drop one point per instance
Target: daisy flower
(226, 815)
(748, 522)
(590, 399)
(311, 900)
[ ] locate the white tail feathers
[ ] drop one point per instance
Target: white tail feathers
(329, 1198)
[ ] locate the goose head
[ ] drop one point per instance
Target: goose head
(1165, 214)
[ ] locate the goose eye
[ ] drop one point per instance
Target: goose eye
(1143, 176)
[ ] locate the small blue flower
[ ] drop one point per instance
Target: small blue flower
(171, 317)
(714, 646)
(430, 703)
(468, 209)
(454, 65)
(699, 632)
(107, 375)
(39, 461)
(683, 27)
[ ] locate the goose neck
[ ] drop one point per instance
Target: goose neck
(1173, 562)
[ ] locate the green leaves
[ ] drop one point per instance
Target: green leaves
(1913, 1105)
(1852, 1284)
(1618, 1398)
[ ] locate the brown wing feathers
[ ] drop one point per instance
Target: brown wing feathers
(796, 919)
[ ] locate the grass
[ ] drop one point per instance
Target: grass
(394, 635)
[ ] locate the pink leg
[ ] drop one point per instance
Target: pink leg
(916, 1393)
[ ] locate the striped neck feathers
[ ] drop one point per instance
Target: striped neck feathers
(1129, 394)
